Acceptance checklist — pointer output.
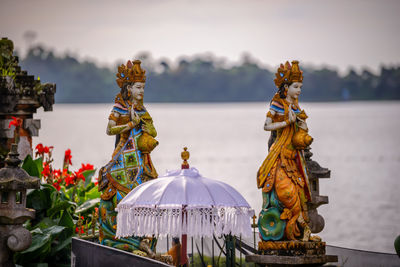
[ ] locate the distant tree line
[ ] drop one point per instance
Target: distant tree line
(203, 79)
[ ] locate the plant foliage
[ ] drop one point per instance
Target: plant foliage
(64, 197)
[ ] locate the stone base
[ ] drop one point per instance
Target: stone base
(291, 253)
(274, 260)
(291, 248)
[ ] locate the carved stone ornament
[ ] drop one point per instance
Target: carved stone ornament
(20, 96)
(14, 182)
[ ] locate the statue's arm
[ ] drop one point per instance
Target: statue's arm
(149, 128)
(113, 128)
(272, 126)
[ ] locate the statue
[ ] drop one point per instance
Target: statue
(131, 164)
(283, 174)
(284, 223)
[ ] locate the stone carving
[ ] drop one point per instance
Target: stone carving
(20, 96)
(315, 172)
(14, 182)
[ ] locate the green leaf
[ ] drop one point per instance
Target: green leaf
(81, 193)
(37, 231)
(64, 243)
(39, 164)
(66, 220)
(88, 176)
(30, 167)
(54, 196)
(38, 264)
(38, 242)
(48, 187)
(89, 187)
(62, 205)
(45, 223)
(45, 251)
(87, 205)
(38, 200)
(70, 227)
(69, 191)
(53, 230)
(41, 243)
(64, 238)
(93, 193)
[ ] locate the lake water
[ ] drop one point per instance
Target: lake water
(358, 141)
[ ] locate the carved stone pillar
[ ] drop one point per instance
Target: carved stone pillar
(315, 172)
(20, 96)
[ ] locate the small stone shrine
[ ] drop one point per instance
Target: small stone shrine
(315, 172)
(14, 181)
(20, 96)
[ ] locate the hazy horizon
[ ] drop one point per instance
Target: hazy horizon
(340, 34)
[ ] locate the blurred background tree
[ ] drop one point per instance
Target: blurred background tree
(203, 79)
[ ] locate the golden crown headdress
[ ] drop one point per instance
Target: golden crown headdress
(288, 74)
(130, 73)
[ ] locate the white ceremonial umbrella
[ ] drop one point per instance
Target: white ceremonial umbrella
(182, 202)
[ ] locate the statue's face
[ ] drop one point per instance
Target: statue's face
(294, 90)
(137, 90)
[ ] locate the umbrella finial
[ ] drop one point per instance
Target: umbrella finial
(185, 156)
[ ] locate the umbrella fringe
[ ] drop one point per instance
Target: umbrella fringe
(146, 221)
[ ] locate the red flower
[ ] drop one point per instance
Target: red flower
(57, 173)
(96, 180)
(73, 178)
(68, 157)
(41, 150)
(77, 230)
(86, 167)
(57, 186)
(17, 122)
(46, 169)
(79, 175)
(48, 149)
(69, 179)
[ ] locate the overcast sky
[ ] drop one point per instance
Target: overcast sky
(335, 33)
